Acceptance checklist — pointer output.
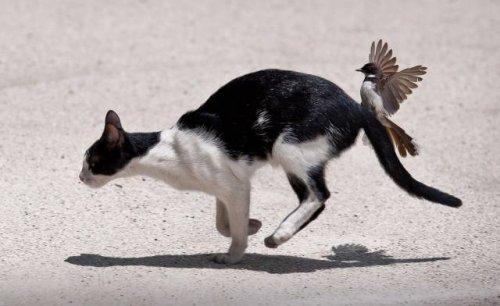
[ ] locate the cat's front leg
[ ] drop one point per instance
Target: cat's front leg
(237, 208)
(222, 221)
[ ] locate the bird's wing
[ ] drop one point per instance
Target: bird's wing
(396, 88)
(381, 56)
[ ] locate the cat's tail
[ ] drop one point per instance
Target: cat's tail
(377, 134)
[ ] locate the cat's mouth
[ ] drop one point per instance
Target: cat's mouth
(92, 181)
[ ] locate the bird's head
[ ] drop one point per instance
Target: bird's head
(369, 69)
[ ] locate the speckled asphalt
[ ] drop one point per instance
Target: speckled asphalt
(139, 242)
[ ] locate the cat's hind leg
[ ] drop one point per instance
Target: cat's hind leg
(222, 221)
(304, 162)
(312, 193)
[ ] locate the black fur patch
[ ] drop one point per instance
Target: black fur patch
(107, 160)
(299, 187)
(317, 182)
(304, 105)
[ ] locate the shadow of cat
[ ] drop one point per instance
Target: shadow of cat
(344, 256)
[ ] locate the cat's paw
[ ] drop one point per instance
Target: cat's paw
(270, 243)
(254, 226)
(226, 259)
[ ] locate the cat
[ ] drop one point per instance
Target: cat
(294, 120)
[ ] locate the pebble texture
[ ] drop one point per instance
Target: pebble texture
(63, 64)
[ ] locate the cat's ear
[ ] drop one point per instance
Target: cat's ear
(113, 132)
(112, 118)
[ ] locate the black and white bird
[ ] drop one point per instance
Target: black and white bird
(384, 88)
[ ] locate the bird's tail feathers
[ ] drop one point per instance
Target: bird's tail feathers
(402, 141)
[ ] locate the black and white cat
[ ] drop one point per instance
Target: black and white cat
(289, 119)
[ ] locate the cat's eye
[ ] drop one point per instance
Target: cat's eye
(93, 161)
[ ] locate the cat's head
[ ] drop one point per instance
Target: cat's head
(108, 156)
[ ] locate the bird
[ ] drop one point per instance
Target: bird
(384, 88)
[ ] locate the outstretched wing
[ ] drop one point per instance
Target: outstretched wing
(381, 56)
(395, 88)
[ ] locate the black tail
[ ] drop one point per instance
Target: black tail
(393, 167)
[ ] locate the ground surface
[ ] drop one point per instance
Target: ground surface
(64, 63)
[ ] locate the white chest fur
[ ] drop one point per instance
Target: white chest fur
(193, 160)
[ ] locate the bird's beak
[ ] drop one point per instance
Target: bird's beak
(359, 70)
